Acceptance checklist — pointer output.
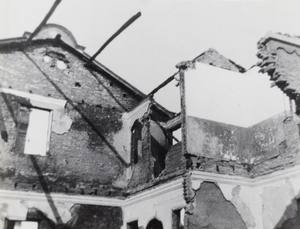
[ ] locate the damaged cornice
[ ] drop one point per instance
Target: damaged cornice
(37, 100)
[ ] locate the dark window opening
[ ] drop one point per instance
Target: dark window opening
(177, 218)
(77, 84)
(33, 186)
(136, 139)
(133, 225)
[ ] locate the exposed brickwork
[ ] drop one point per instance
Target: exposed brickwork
(288, 154)
(141, 171)
(83, 160)
(263, 148)
(280, 58)
(174, 160)
(156, 160)
(212, 57)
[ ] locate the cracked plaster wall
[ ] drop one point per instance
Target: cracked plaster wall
(264, 205)
(257, 150)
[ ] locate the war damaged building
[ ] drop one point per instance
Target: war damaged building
(82, 148)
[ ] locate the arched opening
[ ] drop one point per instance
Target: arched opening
(136, 139)
(154, 224)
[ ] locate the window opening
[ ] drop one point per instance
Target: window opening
(177, 134)
(38, 131)
(136, 141)
(178, 219)
(133, 225)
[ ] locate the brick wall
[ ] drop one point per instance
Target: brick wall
(82, 160)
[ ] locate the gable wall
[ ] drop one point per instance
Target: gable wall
(82, 156)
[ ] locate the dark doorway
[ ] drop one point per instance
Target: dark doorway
(154, 224)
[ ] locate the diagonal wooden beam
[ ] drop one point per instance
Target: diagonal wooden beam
(55, 4)
(122, 28)
(163, 84)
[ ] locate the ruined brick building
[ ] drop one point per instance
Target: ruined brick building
(82, 148)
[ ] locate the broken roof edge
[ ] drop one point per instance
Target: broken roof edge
(52, 30)
(267, 53)
(214, 58)
(154, 106)
(68, 40)
(286, 38)
(22, 41)
(261, 122)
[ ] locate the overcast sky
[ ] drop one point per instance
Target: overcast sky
(168, 32)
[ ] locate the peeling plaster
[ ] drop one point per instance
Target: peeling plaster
(196, 184)
(242, 208)
(61, 122)
(62, 208)
(123, 180)
(276, 199)
(212, 210)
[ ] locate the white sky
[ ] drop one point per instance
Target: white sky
(168, 32)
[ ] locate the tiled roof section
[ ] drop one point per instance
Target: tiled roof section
(280, 58)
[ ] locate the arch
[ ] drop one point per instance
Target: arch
(51, 30)
(136, 137)
(155, 224)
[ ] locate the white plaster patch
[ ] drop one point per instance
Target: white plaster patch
(196, 184)
(226, 190)
(61, 122)
(296, 185)
(61, 65)
(123, 180)
(242, 208)
(47, 59)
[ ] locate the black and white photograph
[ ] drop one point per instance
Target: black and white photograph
(150, 114)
